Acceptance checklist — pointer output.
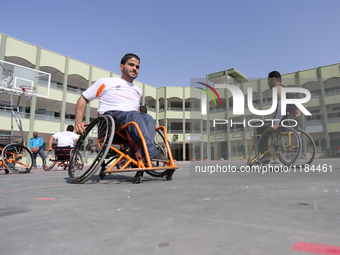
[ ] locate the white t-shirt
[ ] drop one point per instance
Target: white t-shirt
(114, 94)
(66, 138)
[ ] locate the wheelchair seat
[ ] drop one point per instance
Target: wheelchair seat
(62, 153)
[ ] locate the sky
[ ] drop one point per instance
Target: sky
(178, 40)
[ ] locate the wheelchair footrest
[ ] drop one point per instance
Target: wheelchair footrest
(140, 169)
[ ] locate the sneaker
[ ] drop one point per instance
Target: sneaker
(161, 158)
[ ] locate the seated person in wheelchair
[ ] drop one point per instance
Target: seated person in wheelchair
(120, 98)
(66, 139)
(274, 80)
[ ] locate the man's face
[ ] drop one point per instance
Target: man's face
(130, 69)
(35, 135)
(271, 82)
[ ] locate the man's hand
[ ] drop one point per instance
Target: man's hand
(35, 149)
(273, 127)
(80, 128)
(50, 149)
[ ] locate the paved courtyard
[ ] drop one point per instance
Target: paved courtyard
(195, 213)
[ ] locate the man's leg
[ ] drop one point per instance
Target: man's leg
(262, 146)
(136, 117)
(150, 125)
(34, 154)
(42, 154)
(127, 117)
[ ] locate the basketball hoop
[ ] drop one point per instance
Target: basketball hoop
(28, 90)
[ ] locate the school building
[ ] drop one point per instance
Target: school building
(179, 109)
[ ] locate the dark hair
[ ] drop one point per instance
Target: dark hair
(127, 57)
(143, 109)
(70, 128)
(276, 75)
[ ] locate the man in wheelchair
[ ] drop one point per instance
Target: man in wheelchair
(65, 139)
(274, 80)
(120, 98)
(60, 155)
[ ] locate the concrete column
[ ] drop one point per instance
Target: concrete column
(34, 98)
(157, 107)
(259, 89)
(143, 97)
(208, 124)
(165, 109)
(88, 106)
(244, 133)
(63, 102)
(298, 84)
(3, 46)
(227, 117)
(324, 110)
(183, 126)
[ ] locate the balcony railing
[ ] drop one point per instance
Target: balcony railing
(212, 110)
(75, 90)
(151, 109)
(235, 130)
(179, 109)
(175, 109)
(215, 132)
(192, 109)
(334, 120)
(175, 131)
(237, 154)
(54, 85)
(313, 122)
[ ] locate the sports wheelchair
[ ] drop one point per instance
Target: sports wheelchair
(286, 145)
(99, 149)
(15, 157)
(60, 156)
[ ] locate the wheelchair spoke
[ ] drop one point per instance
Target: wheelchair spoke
(91, 149)
(281, 145)
(49, 161)
(308, 149)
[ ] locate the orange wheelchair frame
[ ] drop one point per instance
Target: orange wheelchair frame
(109, 157)
(16, 158)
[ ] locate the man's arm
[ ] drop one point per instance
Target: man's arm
(297, 112)
(278, 111)
(50, 141)
(31, 144)
(79, 127)
(41, 142)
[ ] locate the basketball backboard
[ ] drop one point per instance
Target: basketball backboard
(21, 79)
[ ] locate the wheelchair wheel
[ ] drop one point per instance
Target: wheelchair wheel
(78, 162)
(49, 161)
(92, 148)
(17, 158)
(160, 145)
(281, 145)
(308, 149)
(109, 160)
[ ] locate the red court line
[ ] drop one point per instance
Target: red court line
(41, 187)
(316, 248)
(44, 198)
